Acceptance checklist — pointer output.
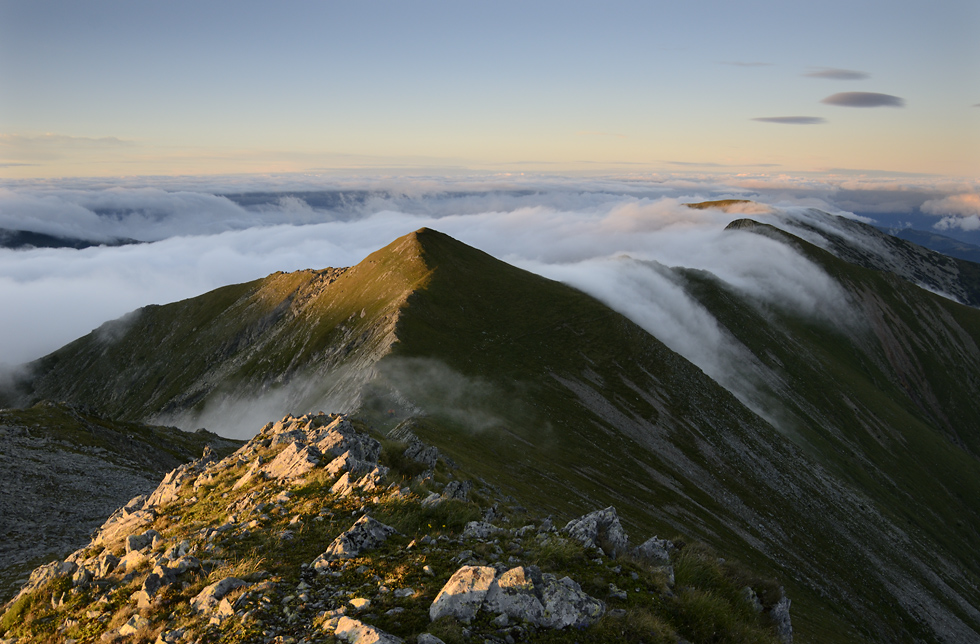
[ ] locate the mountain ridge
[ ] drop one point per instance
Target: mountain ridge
(568, 406)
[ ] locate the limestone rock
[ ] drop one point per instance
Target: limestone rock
(428, 638)
(208, 599)
(135, 623)
(365, 534)
(141, 541)
(479, 530)
(654, 550)
(600, 529)
(255, 469)
(780, 616)
(463, 594)
(294, 461)
(565, 604)
(340, 436)
(347, 463)
(513, 594)
(44, 574)
(457, 490)
(522, 594)
(356, 632)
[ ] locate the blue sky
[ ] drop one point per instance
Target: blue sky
(136, 88)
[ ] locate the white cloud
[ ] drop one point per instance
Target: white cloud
(962, 205)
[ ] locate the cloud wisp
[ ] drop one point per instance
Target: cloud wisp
(792, 120)
(864, 99)
(834, 73)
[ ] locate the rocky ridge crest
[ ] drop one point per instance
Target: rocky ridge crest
(316, 531)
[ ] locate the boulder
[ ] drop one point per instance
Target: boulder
(340, 436)
(160, 577)
(479, 530)
(600, 529)
(105, 564)
(779, 614)
(565, 604)
(294, 461)
(208, 599)
(457, 490)
(347, 463)
(356, 632)
(513, 594)
(463, 594)
(428, 638)
(521, 594)
(44, 574)
(654, 551)
(135, 623)
(141, 541)
(365, 534)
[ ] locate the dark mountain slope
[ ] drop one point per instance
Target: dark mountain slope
(940, 243)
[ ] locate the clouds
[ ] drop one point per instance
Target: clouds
(863, 99)
(833, 73)
(960, 211)
(792, 120)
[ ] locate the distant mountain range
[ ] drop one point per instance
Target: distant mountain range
(25, 239)
(848, 467)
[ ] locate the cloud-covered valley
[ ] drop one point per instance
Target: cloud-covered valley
(616, 240)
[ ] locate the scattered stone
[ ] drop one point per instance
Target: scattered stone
(457, 490)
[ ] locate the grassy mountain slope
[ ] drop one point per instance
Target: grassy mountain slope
(567, 406)
(239, 341)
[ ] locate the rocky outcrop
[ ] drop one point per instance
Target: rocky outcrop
(236, 564)
(522, 594)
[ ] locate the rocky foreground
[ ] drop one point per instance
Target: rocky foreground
(314, 531)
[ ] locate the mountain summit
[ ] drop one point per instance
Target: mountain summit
(853, 478)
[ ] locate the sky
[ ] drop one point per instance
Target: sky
(831, 88)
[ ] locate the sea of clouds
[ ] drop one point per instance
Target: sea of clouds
(617, 240)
